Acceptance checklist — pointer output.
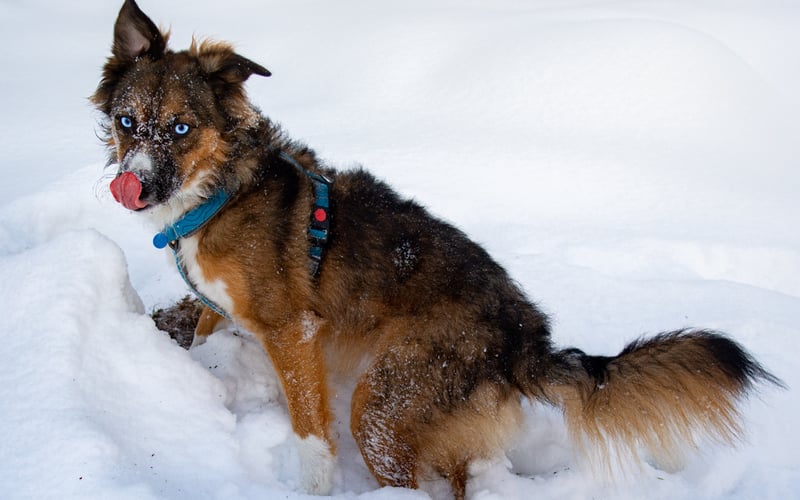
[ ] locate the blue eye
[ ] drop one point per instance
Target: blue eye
(126, 121)
(181, 129)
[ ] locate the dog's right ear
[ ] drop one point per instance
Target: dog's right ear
(135, 35)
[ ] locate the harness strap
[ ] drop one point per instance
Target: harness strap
(205, 300)
(319, 226)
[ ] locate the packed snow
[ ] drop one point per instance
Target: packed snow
(633, 164)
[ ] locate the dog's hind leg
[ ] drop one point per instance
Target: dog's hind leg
(400, 428)
(456, 474)
(428, 403)
(392, 404)
(382, 424)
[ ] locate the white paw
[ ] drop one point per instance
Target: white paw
(317, 465)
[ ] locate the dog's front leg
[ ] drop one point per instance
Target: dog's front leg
(207, 323)
(297, 356)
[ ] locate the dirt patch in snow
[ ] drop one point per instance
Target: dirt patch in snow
(179, 320)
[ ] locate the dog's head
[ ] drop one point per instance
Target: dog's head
(171, 116)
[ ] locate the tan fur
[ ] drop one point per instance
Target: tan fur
(659, 399)
(207, 322)
(300, 365)
(484, 427)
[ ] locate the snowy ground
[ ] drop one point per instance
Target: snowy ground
(633, 164)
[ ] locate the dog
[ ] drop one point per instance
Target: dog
(333, 271)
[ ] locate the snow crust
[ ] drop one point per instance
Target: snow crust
(633, 164)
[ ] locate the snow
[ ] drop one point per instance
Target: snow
(633, 165)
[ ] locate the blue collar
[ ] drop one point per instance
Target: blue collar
(192, 221)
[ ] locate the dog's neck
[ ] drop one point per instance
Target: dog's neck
(191, 221)
(184, 223)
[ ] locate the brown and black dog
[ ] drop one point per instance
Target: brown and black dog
(333, 270)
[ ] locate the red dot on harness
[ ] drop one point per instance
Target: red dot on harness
(320, 215)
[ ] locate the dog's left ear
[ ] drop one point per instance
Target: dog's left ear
(223, 65)
(225, 72)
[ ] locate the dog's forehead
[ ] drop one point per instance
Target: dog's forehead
(160, 90)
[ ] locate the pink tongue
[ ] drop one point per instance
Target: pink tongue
(126, 189)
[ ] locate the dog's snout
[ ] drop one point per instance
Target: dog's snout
(139, 162)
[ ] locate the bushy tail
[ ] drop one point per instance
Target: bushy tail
(662, 394)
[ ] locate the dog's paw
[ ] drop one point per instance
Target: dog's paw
(317, 463)
(198, 340)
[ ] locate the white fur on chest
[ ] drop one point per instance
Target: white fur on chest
(217, 290)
